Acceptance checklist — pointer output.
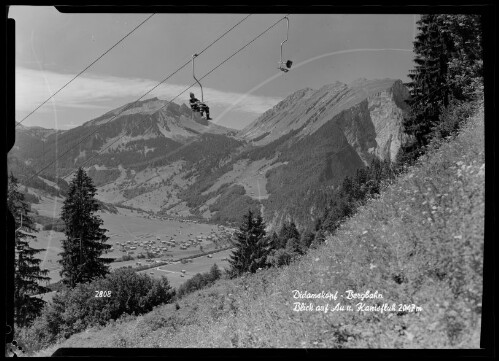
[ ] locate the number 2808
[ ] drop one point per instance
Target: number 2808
(102, 293)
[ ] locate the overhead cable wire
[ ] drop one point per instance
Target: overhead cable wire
(204, 76)
(130, 105)
(81, 72)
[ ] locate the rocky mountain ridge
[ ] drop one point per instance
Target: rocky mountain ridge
(160, 157)
(373, 128)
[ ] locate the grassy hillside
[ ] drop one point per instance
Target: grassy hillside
(420, 242)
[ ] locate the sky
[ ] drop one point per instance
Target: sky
(52, 47)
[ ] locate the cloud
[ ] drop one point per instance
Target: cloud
(96, 91)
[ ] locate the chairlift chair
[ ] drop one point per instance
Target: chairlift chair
(285, 65)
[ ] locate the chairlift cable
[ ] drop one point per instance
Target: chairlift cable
(426, 96)
(131, 104)
(204, 76)
(81, 72)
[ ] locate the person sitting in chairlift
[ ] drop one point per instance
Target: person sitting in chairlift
(197, 106)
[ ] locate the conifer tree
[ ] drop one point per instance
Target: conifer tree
(273, 241)
(288, 231)
(465, 68)
(85, 240)
(252, 246)
(428, 79)
(215, 272)
(28, 274)
(306, 239)
(294, 246)
(448, 65)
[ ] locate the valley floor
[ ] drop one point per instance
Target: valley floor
(419, 245)
(132, 226)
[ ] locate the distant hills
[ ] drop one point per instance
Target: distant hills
(160, 157)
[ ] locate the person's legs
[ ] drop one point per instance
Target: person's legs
(206, 110)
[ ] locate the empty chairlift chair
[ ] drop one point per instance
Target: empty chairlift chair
(285, 65)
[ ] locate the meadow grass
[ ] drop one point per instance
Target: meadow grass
(419, 242)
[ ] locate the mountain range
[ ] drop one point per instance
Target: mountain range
(159, 156)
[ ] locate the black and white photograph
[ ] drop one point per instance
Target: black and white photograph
(262, 180)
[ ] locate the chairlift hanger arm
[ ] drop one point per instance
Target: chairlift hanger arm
(285, 65)
(287, 32)
(194, 76)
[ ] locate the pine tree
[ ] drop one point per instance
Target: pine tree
(85, 240)
(274, 241)
(465, 69)
(427, 88)
(288, 231)
(294, 246)
(448, 66)
(306, 239)
(28, 274)
(215, 272)
(252, 247)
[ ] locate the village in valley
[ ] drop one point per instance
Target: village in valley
(157, 245)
